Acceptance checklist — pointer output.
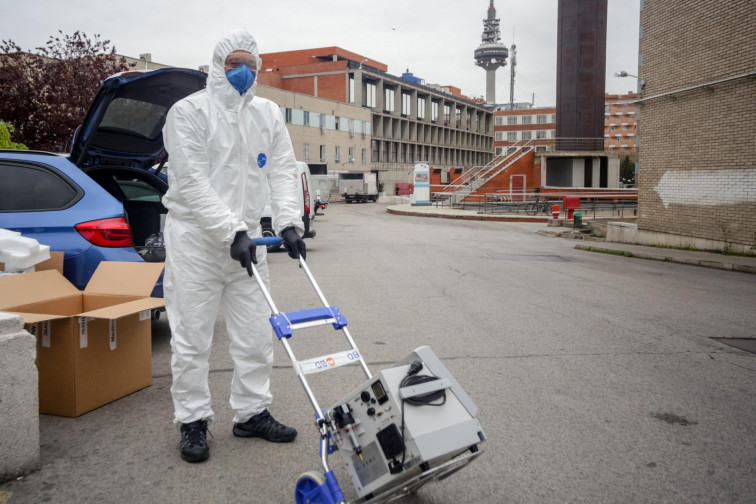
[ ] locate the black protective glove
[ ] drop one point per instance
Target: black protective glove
(293, 243)
(243, 250)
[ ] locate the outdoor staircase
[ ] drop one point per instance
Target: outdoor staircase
(475, 178)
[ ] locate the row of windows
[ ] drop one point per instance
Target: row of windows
(625, 126)
(525, 119)
(336, 155)
(513, 136)
(619, 114)
(389, 105)
(623, 105)
(301, 117)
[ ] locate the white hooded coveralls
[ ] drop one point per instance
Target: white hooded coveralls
(226, 152)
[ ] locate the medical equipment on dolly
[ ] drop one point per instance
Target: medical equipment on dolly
(410, 424)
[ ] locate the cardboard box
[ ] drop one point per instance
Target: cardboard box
(93, 347)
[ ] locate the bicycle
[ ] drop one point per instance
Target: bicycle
(537, 206)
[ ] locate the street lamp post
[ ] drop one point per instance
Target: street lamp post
(641, 82)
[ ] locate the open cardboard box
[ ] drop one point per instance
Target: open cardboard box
(93, 347)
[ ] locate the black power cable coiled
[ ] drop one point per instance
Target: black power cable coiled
(426, 399)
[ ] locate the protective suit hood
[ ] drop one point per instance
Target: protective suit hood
(220, 91)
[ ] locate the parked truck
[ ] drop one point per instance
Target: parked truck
(358, 186)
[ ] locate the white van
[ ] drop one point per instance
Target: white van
(306, 202)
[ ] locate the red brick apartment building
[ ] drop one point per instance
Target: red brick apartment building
(517, 126)
(620, 123)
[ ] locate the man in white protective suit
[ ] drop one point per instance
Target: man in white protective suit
(227, 150)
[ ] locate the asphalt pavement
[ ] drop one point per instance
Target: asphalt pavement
(598, 376)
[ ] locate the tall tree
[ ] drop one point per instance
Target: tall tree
(45, 94)
(627, 170)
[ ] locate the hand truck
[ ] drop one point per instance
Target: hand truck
(314, 487)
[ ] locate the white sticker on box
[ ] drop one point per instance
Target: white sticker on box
(112, 334)
(83, 340)
(144, 315)
(46, 334)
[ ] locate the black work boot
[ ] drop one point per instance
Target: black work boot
(265, 426)
(194, 441)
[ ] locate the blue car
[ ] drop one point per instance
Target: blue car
(103, 201)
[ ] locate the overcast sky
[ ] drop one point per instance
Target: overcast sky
(434, 39)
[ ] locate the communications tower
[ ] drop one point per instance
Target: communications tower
(491, 54)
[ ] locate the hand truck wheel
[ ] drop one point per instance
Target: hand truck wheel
(307, 488)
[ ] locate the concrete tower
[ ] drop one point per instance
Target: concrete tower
(491, 54)
(581, 65)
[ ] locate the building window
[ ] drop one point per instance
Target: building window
(499, 136)
(511, 120)
(297, 117)
(345, 124)
(406, 103)
(527, 119)
(365, 128)
(364, 156)
(447, 113)
(420, 108)
(553, 118)
(527, 135)
(330, 122)
(457, 117)
(287, 115)
(541, 119)
(553, 133)
(388, 103)
(434, 111)
(306, 118)
(351, 155)
(322, 153)
(337, 154)
(469, 119)
(351, 88)
(540, 135)
(499, 120)
(369, 94)
(306, 153)
(499, 151)
(511, 136)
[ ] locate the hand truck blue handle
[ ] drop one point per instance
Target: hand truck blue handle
(267, 240)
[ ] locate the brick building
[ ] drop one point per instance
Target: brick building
(620, 123)
(520, 125)
(697, 142)
(409, 120)
(539, 125)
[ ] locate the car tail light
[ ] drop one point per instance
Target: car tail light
(307, 209)
(113, 232)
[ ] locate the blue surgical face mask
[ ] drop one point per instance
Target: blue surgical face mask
(241, 78)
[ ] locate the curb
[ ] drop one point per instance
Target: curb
(468, 217)
(743, 268)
